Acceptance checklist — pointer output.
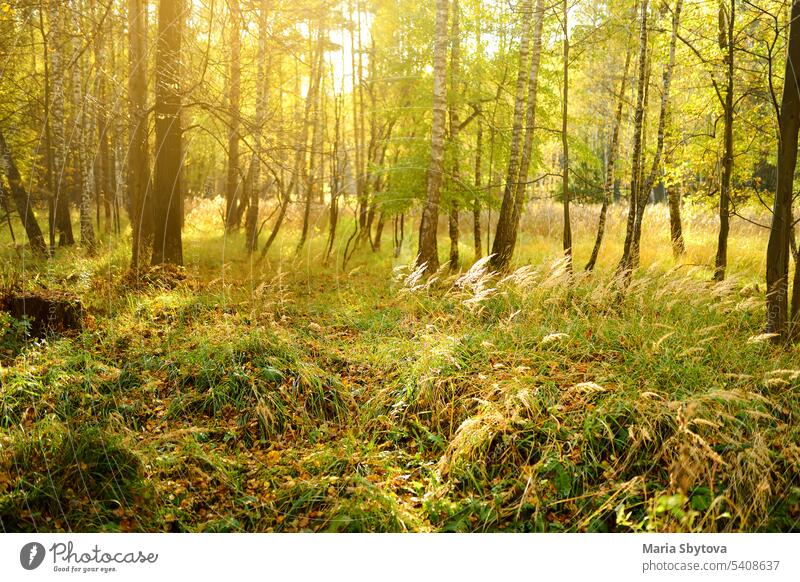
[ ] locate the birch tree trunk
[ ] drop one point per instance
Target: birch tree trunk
(626, 265)
(567, 233)
(651, 177)
(455, 122)
(504, 238)
(428, 251)
(608, 185)
(84, 128)
(521, 185)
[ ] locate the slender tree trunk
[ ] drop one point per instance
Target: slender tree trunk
(727, 18)
(298, 171)
(399, 234)
(503, 247)
(317, 60)
(262, 101)
(794, 329)
(284, 206)
(651, 177)
(476, 203)
(375, 151)
(138, 154)
(675, 225)
(116, 182)
(780, 230)
(565, 143)
(338, 165)
(378, 177)
(84, 125)
(626, 263)
(60, 219)
(22, 200)
(234, 90)
(428, 251)
(362, 125)
(514, 193)
(48, 132)
(379, 230)
(101, 155)
(167, 245)
(5, 203)
(339, 158)
(455, 122)
(608, 185)
(521, 185)
(357, 93)
(476, 198)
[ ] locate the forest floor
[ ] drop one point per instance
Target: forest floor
(289, 396)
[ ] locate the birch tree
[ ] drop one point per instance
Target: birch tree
(428, 252)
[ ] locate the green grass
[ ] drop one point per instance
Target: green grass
(291, 395)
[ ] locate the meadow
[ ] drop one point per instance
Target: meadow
(294, 395)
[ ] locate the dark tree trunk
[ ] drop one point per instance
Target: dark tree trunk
(726, 42)
(48, 132)
(794, 330)
(138, 155)
(675, 225)
(453, 231)
(60, 219)
(780, 231)
(399, 234)
(379, 231)
(338, 163)
(6, 205)
(167, 244)
(476, 203)
(22, 201)
(103, 180)
(277, 226)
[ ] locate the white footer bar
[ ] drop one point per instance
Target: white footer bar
(399, 557)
